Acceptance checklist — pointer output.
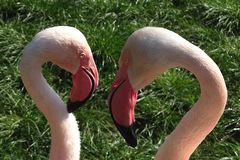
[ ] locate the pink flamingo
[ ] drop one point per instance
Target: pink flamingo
(149, 52)
(68, 48)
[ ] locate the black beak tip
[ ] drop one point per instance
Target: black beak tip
(128, 134)
(132, 143)
(72, 106)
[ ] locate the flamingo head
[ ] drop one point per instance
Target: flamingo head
(85, 80)
(66, 47)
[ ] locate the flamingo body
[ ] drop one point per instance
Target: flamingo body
(66, 47)
(151, 51)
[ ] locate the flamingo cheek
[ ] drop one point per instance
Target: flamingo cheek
(83, 88)
(123, 101)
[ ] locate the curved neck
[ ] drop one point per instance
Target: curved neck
(65, 138)
(205, 113)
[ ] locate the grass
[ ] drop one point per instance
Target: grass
(211, 25)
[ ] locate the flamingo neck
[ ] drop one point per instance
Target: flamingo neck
(65, 137)
(205, 113)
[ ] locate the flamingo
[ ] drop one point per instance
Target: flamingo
(149, 52)
(68, 48)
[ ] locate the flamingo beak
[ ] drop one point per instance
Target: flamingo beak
(85, 82)
(121, 101)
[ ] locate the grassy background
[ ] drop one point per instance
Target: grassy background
(213, 25)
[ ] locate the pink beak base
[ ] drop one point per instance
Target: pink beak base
(121, 101)
(85, 83)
